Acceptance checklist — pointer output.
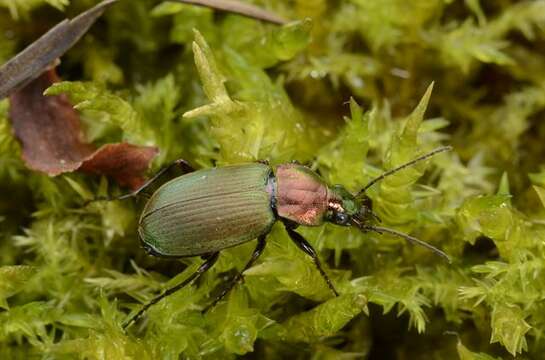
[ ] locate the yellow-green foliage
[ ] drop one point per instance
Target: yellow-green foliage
(345, 88)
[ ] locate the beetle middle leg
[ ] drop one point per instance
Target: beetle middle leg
(210, 260)
(304, 245)
(181, 163)
(239, 276)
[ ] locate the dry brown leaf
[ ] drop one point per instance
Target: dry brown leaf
(49, 130)
(38, 56)
(125, 162)
(238, 7)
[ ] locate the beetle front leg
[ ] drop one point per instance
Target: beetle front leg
(181, 163)
(210, 260)
(239, 276)
(304, 245)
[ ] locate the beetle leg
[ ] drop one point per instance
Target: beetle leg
(240, 277)
(181, 163)
(304, 245)
(210, 260)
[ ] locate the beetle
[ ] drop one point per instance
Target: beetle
(203, 212)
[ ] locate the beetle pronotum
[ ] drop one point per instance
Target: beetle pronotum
(203, 212)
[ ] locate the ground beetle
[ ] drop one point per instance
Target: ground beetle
(203, 212)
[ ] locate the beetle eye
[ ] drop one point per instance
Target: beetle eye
(341, 218)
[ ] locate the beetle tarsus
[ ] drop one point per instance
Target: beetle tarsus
(207, 264)
(239, 277)
(304, 245)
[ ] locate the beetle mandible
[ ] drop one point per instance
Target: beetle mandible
(203, 212)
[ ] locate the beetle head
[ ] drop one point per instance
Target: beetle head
(346, 209)
(341, 206)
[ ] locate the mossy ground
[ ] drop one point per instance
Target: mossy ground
(217, 89)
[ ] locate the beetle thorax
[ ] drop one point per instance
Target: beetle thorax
(301, 195)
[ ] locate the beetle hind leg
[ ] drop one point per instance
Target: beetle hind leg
(239, 276)
(181, 163)
(304, 245)
(210, 260)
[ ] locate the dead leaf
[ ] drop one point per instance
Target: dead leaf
(238, 7)
(38, 56)
(49, 130)
(124, 162)
(48, 127)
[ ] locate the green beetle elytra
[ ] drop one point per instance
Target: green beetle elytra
(203, 212)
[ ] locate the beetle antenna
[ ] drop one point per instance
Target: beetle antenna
(401, 167)
(409, 238)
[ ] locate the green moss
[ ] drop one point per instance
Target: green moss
(21, 8)
(345, 89)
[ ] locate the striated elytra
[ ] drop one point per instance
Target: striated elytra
(208, 210)
(203, 212)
